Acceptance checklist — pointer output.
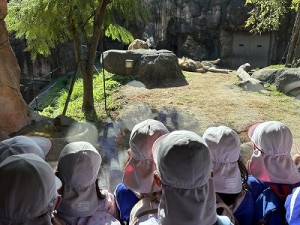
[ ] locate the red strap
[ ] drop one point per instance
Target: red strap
(284, 191)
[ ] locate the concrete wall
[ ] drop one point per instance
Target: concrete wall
(248, 48)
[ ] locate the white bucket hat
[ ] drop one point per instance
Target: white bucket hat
(24, 144)
(224, 145)
(271, 160)
(28, 190)
(78, 168)
(184, 166)
(138, 173)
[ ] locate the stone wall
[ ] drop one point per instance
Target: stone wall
(60, 62)
(43, 69)
(198, 29)
(203, 29)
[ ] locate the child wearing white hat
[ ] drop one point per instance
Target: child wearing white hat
(82, 201)
(24, 144)
(229, 174)
(28, 194)
(138, 175)
(184, 172)
(271, 164)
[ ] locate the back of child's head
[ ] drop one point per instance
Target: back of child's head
(28, 190)
(24, 144)
(78, 168)
(184, 167)
(224, 145)
(138, 173)
(271, 160)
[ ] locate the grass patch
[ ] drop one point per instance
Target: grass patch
(273, 90)
(61, 84)
(278, 66)
(187, 74)
(55, 101)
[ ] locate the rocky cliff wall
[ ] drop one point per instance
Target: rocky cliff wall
(198, 29)
(204, 29)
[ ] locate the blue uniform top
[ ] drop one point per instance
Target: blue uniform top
(274, 198)
(292, 206)
(125, 200)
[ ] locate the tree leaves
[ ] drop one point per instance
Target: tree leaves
(47, 23)
(265, 15)
(119, 33)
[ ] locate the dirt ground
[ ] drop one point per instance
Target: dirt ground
(211, 99)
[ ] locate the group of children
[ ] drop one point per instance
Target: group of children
(171, 178)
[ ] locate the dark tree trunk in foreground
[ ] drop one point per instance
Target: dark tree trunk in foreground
(86, 61)
(293, 56)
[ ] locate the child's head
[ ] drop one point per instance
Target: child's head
(138, 173)
(24, 144)
(78, 167)
(224, 145)
(184, 170)
(296, 159)
(271, 160)
(28, 190)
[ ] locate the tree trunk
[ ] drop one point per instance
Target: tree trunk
(87, 75)
(294, 48)
(88, 97)
(86, 62)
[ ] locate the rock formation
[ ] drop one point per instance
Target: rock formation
(247, 82)
(149, 66)
(286, 80)
(14, 112)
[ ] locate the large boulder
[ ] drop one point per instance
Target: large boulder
(288, 82)
(14, 112)
(152, 67)
(267, 75)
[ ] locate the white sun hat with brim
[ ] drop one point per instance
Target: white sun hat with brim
(78, 168)
(184, 167)
(28, 190)
(138, 173)
(24, 144)
(224, 145)
(271, 160)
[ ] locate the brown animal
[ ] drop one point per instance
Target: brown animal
(138, 44)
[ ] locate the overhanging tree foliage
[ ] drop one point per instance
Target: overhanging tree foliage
(47, 23)
(266, 16)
